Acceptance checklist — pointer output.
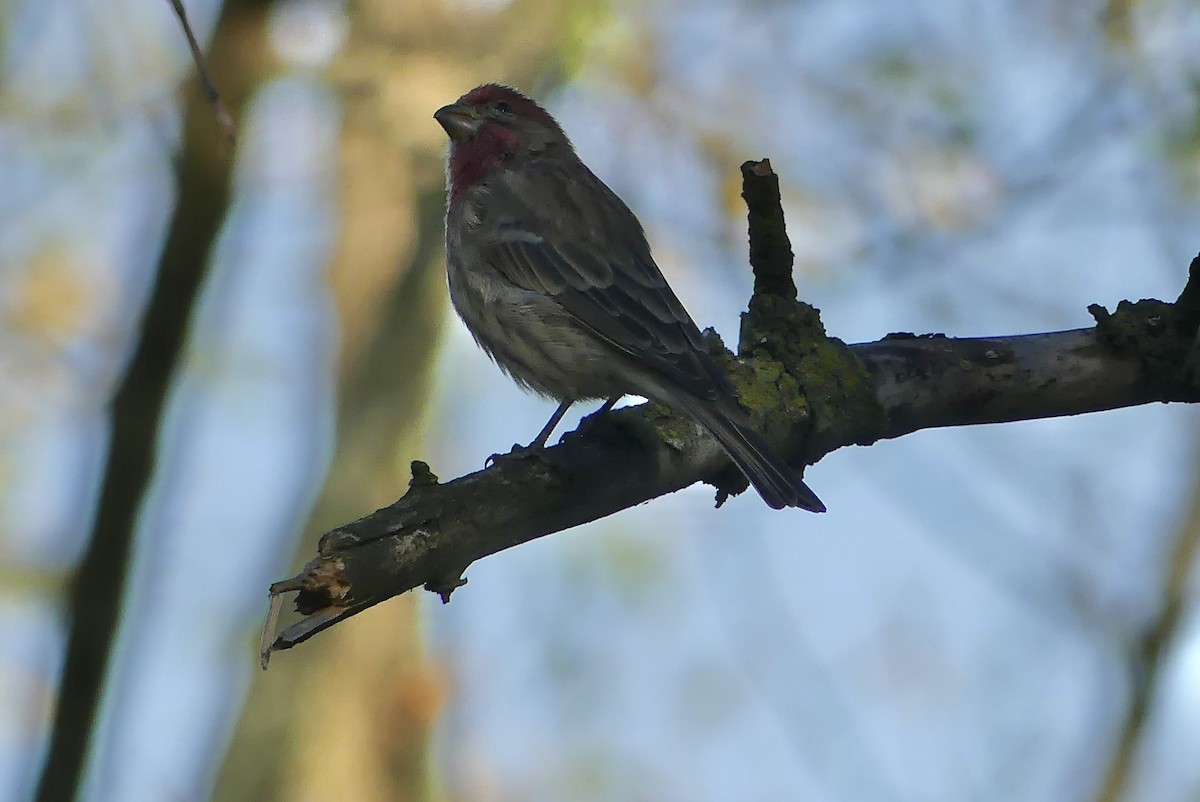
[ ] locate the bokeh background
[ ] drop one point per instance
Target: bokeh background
(994, 613)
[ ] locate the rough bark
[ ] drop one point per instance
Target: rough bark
(812, 394)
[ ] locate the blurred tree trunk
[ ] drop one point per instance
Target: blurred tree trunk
(306, 731)
(137, 406)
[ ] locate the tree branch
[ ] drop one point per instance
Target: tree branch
(223, 117)
(811, 394)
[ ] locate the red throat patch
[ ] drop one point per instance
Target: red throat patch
(471, 160)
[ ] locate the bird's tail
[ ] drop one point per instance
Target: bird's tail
(777, 482)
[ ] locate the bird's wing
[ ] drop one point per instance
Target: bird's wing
(581, 245)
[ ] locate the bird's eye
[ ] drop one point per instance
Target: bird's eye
(503, 107)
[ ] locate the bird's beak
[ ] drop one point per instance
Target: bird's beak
(460, 120)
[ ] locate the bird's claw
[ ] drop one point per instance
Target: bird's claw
(518, 452)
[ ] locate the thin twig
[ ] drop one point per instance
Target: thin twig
(268, 633)
(224, 119)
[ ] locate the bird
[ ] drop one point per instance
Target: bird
(553, 276)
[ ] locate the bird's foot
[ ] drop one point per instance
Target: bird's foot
(519, 452)
(599, 418)
(598, 424)
(601, 415)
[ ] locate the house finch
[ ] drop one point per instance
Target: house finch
(552, 274)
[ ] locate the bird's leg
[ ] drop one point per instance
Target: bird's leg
(608, 405)
(539, 443)
(598, 415)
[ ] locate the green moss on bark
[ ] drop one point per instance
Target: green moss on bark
(1161, 336)
(803, 375)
